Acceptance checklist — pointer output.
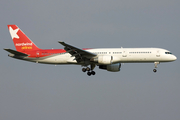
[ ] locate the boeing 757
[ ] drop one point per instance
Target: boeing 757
(109, 59)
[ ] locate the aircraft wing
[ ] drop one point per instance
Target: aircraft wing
(16, 52)
(78, 53)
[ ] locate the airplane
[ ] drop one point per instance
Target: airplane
(109, 59)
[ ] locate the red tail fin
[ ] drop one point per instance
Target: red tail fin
(21, 41)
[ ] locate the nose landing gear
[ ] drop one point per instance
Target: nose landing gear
(155, 65)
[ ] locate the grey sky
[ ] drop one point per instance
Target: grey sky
(30, 91)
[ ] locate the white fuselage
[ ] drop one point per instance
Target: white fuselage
(119, 55)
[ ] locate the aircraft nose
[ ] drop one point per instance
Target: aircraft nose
(174, 58)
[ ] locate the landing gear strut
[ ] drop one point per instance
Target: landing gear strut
(89, 70)
(155, 65)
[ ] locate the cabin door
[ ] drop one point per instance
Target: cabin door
(37, 54)
(158, 54)
(124, 54)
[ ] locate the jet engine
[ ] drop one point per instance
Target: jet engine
(103, 59)
(112, 68)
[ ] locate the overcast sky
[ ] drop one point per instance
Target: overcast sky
(30, 91)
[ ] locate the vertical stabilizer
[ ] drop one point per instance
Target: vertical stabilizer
(21, 41)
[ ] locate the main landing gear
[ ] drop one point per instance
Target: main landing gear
(89, 70)
(155, 65)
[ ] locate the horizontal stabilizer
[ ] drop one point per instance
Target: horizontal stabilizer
(16, 52)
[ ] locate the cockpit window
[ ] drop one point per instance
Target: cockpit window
(168, 53)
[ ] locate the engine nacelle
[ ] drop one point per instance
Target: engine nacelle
(113, 67)
(103, 59)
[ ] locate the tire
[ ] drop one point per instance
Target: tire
(84, 69)
(88, 69)
(93, 73)
(89, 73)
(154, 70)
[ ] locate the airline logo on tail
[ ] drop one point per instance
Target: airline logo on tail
(14, 35)
(21, 41)
(13, 32)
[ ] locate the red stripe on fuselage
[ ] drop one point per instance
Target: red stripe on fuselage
(44, 53)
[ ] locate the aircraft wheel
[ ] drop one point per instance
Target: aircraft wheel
(93, 73)
(154, 70)
(88, 69)
(84, 69)
(89, 73)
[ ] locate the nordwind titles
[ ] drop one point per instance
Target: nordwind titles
(23, 44)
